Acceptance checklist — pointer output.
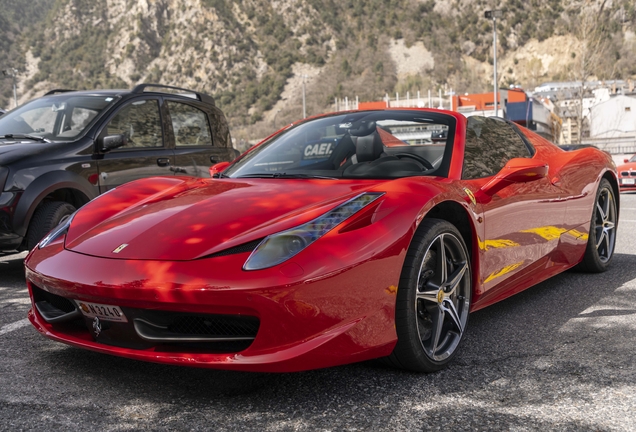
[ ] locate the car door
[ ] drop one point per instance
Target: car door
(523, 221)
(194, 146)
(145, 154)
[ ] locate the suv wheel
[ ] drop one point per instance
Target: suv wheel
(47, 216)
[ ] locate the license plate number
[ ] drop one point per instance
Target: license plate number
(101, 311)
(628, 181)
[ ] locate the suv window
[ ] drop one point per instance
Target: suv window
(490, 144)
(190, 125)
(140, 122)
(58, 118)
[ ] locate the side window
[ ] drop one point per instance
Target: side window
(190, 125)
(140, 122)
(490, 144)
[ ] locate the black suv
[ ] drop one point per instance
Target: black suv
(62, 150)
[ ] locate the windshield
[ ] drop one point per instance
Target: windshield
(55, 118)
(368, 144)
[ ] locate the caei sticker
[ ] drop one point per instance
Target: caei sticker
(319, 150)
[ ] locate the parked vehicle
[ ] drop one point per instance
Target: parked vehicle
(342, 238)
(627, 174)
(60, 151)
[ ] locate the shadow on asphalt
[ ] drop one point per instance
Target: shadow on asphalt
(12, 270)
(520, 341)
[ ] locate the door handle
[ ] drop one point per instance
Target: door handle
(212, 160)
(162, 162)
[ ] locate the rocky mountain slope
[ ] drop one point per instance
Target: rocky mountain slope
(253, 55)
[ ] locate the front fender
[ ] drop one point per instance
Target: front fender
(43, 186)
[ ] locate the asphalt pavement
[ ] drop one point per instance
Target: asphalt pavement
(558, 356)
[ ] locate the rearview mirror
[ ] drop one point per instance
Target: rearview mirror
(517, 170)
(111, 142)
(218, 168)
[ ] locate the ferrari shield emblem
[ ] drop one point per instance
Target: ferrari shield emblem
(470, 195)
(97, 327)
(120, 248)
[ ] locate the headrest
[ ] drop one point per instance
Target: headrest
(369, 147)
(362, 128)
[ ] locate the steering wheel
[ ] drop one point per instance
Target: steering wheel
(416, 158)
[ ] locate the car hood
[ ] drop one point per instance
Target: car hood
(203, 217)
(16, 149)
(626, 167)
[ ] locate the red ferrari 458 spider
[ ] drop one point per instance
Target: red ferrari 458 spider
(341, 238)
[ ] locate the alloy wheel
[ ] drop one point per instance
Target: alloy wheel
(605, 225)
(442, 296)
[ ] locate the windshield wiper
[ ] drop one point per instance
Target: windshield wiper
(24, 136)
(286, 175)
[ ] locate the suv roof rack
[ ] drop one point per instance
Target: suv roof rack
(200, 96)
(57, 91)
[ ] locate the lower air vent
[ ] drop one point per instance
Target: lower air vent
(169, 327)
(52, 307)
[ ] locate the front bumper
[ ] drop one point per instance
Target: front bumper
(9, 240)
(308, 319)
(627, 186)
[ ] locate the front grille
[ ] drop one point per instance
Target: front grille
(146, 329)
(628, 173)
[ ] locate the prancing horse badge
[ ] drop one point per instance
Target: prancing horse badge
(120, 248)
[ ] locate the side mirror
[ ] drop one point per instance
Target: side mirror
(625, 160)
(111, 142)
(517, 170)
(218, 168)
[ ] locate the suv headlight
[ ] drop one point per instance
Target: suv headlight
(278, 248)
(58, 231)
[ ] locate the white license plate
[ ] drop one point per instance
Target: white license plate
(101, 311)
(628, 181)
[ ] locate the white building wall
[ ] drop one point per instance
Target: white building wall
(613, 118)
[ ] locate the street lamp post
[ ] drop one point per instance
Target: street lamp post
(304, 103)
(494, 14)
(12, 72)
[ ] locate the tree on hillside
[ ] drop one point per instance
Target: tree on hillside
(592, 32)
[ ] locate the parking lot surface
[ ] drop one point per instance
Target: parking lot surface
(559, 356)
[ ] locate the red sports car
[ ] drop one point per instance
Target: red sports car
(627, 175)
(344, 237)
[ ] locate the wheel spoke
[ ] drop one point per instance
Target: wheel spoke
(601, 238)
(608, 202)
(438, 323)
(607, 245)
(600, 211)
(449, 307)
(430, 296)
(455, 278)
(443, 265)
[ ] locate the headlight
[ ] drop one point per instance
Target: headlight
(58, 231)
(280, 247)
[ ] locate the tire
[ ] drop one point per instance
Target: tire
(47, 216)
(602, 237)
(433, 299)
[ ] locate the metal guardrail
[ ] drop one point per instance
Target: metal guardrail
(620, 145)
